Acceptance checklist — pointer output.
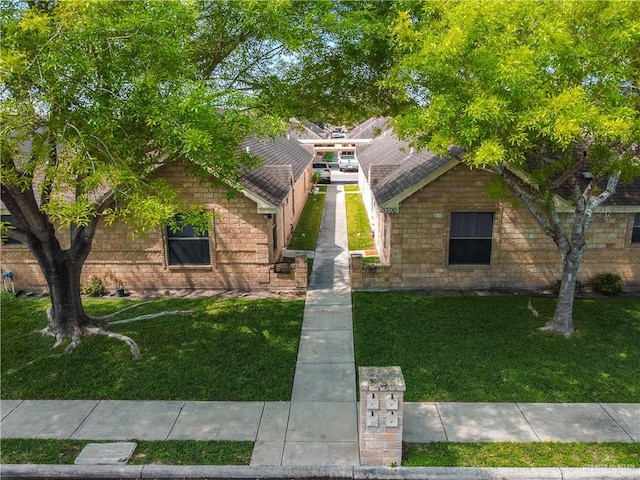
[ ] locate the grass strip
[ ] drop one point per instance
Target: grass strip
(305, 235)
(490, 349)
(170, 452)
(229, 349)
(358, 226)
(532, 455)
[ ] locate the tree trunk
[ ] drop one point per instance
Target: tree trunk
(63, 278)
(67, 319)
(562, 321)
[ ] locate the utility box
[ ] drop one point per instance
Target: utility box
(381, 411)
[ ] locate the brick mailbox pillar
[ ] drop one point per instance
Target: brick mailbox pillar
(381, 411)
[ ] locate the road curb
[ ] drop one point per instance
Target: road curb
(177, 472)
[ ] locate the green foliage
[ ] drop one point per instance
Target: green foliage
(229, 349)
(94, 287)
(506, 79)
(490, 349)
(104, 93)
(607, 284)
(522, 455)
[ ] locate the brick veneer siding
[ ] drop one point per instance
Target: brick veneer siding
(414, 242)
(242, 254)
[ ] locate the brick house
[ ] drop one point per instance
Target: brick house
(242, 249)
(436, 227)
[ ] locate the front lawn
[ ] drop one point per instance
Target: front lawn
(490, 349)
(358, 226)
(229, 349)
(523, 455)
(305, 235)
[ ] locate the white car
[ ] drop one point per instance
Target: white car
(347, 161)
(322, 169)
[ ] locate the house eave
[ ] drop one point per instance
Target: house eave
(262, 206)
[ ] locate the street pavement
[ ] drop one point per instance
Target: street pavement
(315, 434)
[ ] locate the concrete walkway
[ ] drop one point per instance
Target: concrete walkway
(318, 427)
(283, 430)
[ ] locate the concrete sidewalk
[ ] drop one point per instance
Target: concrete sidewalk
(315, 434)
(275, 422)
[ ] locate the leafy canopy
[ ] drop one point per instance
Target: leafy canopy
(506, 79)
(97, 95)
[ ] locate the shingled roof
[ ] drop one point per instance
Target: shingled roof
(370, 128)
(414, 172)
(394, 169)
(285, 160)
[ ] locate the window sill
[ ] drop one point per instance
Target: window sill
(182, 268)
(469, 265)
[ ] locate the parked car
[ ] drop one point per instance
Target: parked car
(347, 161)
(322, 169)
(337, 134)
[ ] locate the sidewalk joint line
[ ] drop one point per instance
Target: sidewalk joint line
(444, 429)
(85, 419)
(175, 421)
(528, 423)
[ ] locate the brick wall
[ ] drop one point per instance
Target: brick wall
(523, 257)
(242, 254)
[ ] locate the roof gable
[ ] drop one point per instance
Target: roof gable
(285, 161)
(416, 171)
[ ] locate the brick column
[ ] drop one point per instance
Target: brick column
(355, 266)
(301, 271)
(381, 415)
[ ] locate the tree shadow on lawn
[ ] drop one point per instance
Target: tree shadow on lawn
(228, 349)
(490, 349)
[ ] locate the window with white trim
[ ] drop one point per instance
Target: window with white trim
(470, 238)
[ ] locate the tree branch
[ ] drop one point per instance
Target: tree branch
(528, 199)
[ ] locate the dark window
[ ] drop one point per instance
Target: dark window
(470, 238)
(274, 230)
(635, 235)
(5, 239)
(186, 247)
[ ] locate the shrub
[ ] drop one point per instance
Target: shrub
(607, 284)
(94, 288)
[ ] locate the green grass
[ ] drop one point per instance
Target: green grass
(490, 349)
(170, 452)
(531, 455)
(358, 227)
(229, 349)
(306, 232)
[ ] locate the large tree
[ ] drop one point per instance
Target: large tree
(336, 77)
(543, 93)
(96, 95)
